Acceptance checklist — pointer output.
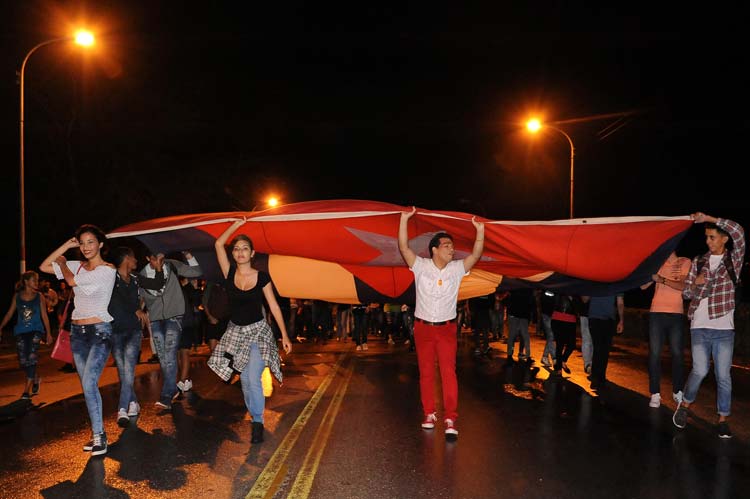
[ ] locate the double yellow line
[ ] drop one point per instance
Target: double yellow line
(272, 475)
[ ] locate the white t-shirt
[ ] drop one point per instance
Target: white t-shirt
(93, 289)
(701, 319)
(436, 289)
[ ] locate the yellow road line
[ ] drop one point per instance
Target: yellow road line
(306, 475)
(267, 483)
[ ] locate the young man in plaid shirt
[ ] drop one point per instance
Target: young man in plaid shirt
(710, 287)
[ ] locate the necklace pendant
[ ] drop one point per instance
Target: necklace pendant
(440, 282)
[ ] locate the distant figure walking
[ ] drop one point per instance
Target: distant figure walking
(30, 307)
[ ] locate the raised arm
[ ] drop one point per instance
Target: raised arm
(46, 265)
(476, 252)
(219, 246)
(157, 282)
(403, 238)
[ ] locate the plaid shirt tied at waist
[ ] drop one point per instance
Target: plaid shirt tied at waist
(232, 353)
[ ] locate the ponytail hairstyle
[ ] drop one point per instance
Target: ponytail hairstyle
(25, 277)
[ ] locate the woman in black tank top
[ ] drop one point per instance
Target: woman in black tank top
(248, 345)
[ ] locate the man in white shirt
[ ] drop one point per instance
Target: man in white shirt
(436, 282)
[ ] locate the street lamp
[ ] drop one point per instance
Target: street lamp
(534, 126)
(83, 38)
(271, 202)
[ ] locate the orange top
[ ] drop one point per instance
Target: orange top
(666, 299)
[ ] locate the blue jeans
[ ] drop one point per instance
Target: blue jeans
(719, 345)
(126, 347)
(166, 334)
(587, 346)
(252, 387)
(549, 347)
(27, 345)
(663, 326)
(91, 345)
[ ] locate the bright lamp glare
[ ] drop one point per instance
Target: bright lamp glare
(273, 201)
(84, 38)
(533, 125)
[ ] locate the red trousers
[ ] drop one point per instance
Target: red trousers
(437, 343)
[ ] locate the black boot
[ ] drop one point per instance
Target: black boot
(257, 434)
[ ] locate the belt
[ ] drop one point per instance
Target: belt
(441, 323)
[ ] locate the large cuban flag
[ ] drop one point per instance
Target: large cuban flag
(346, 251)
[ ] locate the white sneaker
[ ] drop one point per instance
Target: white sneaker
(364, 346)
(133, 409)
(429, 421)
(677, 396)
(359, 348)
(122, 418)
(181, 386)
(655, 400)
(187, 385)
(390, 341)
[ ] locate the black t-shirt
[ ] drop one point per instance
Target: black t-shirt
(246, 307)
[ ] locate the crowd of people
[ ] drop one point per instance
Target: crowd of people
(109, 305)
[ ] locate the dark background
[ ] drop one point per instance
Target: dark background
(187, 107)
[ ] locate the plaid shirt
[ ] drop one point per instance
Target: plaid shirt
(232, 353)
(718, 288)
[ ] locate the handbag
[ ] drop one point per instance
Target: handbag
(61, 350)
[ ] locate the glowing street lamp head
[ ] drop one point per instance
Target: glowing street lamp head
(85, 38)
(272, 201)
(533, 125)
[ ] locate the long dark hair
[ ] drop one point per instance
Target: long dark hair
(98, 234)
(26, 276)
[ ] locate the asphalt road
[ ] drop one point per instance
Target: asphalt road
(345, 424)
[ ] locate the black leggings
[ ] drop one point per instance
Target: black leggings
(565, 340)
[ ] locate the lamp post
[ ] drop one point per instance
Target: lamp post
(82, 38)
(534, 126)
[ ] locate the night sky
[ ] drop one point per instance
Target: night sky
(187, 107)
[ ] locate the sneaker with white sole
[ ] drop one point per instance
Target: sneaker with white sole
(655, 401)
(99, 444)
(677, 396)
(724, 431)
(680, 416)
(359, 348)
(122, 418)
(187, 385)
(163, 404)
(181, 386)
(429, 421)
(133, 409)
(364, 346)
(451, 432)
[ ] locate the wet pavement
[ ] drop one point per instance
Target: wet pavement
(346, 424)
